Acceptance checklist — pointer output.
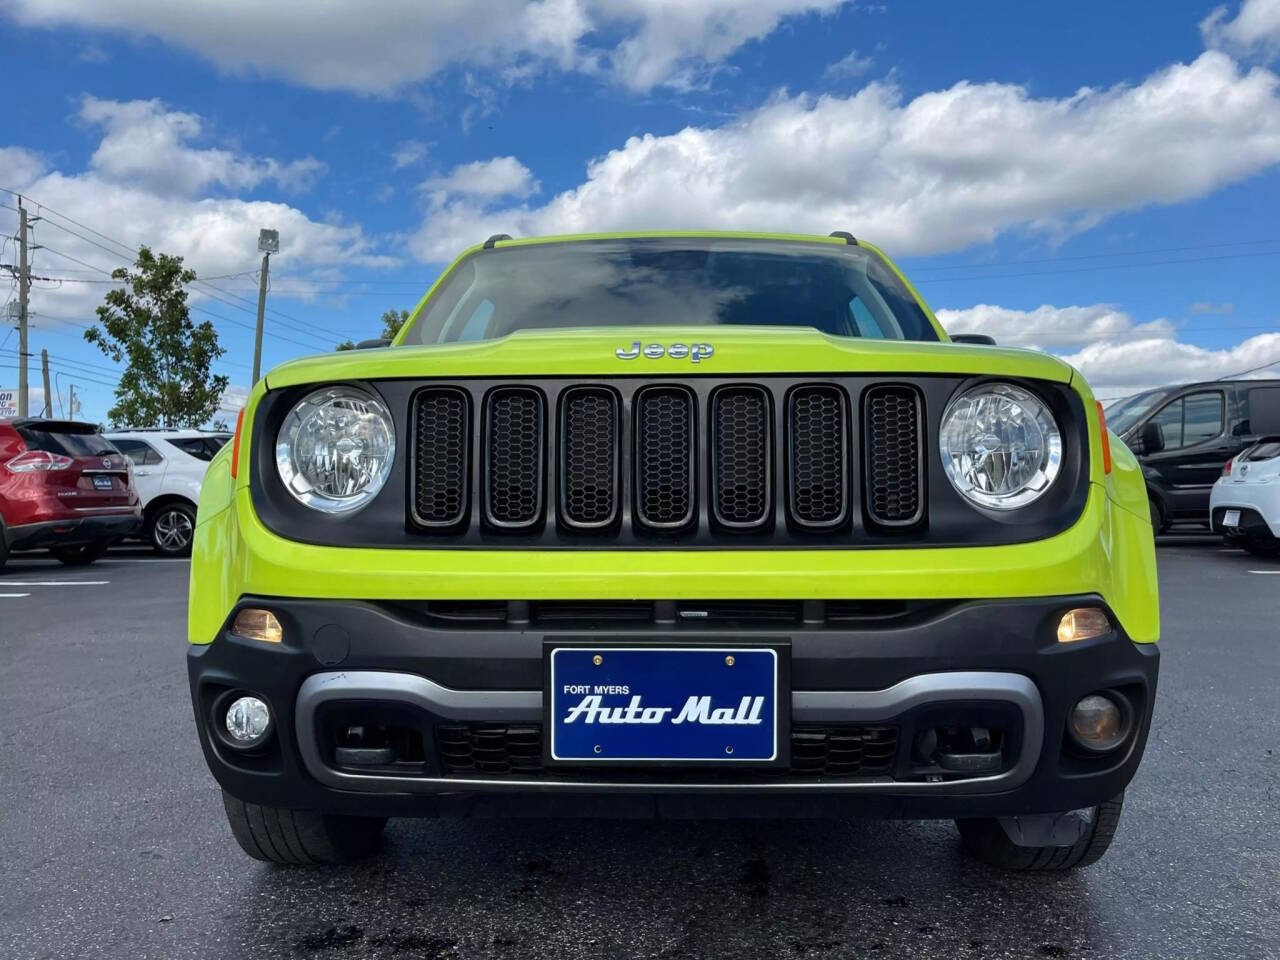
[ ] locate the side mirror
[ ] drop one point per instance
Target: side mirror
(1151, 437)
(979, 338)
(373, 344)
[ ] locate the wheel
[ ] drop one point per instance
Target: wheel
(1262, 548)
(300, 836)
(82, 554)
(171, 528)
(986, 840)
(1157, 518)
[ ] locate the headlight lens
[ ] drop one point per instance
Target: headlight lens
(335, 448)
(1001, 447)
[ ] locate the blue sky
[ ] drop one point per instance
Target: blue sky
(1102, 185)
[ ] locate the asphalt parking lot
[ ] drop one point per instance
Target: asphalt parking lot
(115, 843)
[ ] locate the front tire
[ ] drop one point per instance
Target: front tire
(277, 835)
(82, 554)
(986, 840)
(171, 529)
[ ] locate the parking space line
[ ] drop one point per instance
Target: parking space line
(1267, 572)
(15, 594)
(54, 583)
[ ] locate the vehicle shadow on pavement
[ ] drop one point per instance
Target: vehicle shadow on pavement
(695, 889)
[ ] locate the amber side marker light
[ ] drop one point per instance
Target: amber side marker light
(1082, 624)
(235, 445)
(1106, 441)
(254, 624)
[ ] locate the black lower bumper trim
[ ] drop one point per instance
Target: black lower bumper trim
(855, 661)
(64, 533)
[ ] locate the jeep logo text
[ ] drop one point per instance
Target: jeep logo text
(696, 352)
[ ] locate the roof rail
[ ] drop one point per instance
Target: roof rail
(848, 237)
(492, 241)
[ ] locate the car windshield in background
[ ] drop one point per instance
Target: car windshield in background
(844, 291)
(1129, 411)
(202, 448)
(68, 442)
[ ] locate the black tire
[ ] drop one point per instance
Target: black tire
(297, 837)
(82, 554)
(1262, 548)
(986, 840)
(1157, 518)
(171, 528)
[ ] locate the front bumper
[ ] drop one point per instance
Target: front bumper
(997, 657)
(76, 530)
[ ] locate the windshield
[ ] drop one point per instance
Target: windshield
(1122, 417)
(841, 290)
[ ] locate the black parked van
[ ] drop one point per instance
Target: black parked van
(1184, 435)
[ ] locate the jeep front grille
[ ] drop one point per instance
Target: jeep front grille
(665, 460)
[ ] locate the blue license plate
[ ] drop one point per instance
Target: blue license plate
(658, 704)
(102, 483)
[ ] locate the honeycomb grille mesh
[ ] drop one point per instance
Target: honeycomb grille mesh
(892, 438)
(442, 441)
(664, 426)
(514, 450)
(589, 491)
(740, 430)
(818, 478)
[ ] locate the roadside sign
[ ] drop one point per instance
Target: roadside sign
(8, 402)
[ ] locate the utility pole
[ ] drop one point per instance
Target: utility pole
(71, 401)
(268, 243)
(24, 285)
(48, 397)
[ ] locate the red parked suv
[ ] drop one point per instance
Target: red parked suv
(64, 487)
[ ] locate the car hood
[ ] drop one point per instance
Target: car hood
(592, 351)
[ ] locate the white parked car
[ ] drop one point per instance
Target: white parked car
(168, 467)
(1244, 505)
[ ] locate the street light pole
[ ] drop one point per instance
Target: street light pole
(268, 243)
(262, 306)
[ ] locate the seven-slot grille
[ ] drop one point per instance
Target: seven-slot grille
(665, 459)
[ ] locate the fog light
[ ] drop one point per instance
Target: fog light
(254, 624)
(1098, 723)
(1082, 624)
(248, 721)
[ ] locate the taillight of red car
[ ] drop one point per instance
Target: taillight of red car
(38, 461)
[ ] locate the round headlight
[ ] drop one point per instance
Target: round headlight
(335, 448)
(1001, 447)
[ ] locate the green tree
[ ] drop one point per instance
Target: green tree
(392, 321)
(147, 325)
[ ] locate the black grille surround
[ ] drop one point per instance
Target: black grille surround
(514, 424)
(589, 499)
(741, 458)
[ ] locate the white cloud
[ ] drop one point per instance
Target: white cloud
(233, 400)
(1116, 355)
(381, 47)
(1049, 326)
(137, 202)
(499, 177)
(940, 172)
(146, 143)
(848, 66)
(1253, 32)
(408, 154)
(1112, 368)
